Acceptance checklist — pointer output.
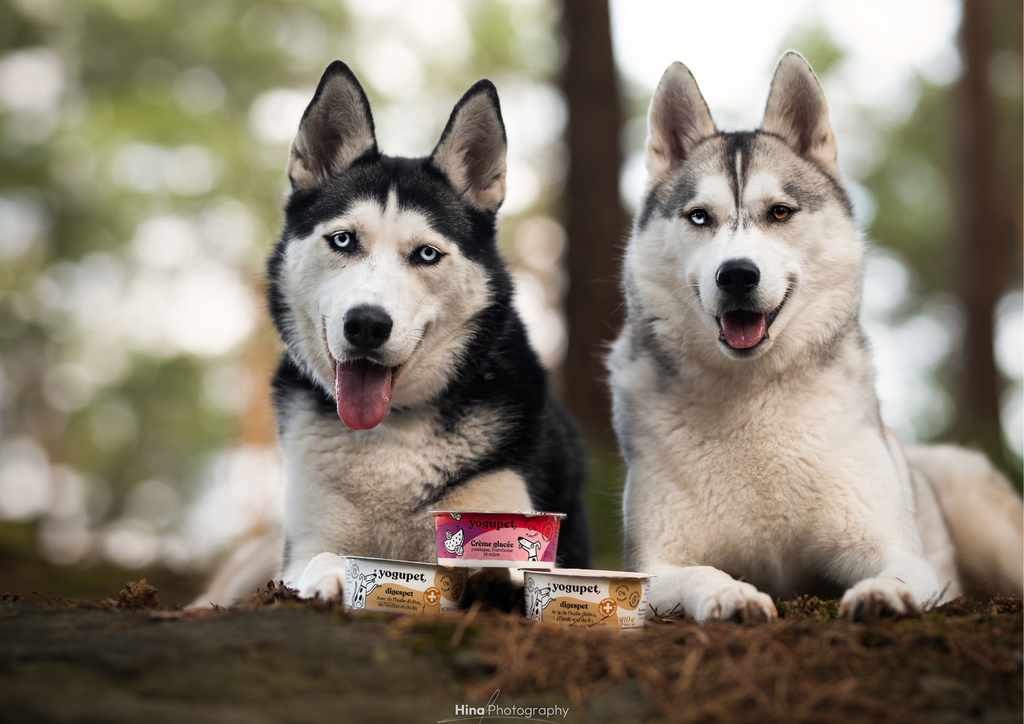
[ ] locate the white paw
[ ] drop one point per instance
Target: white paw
(324, 577)
(736, 600)
(876, 597)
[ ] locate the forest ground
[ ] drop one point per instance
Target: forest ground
(276, 658)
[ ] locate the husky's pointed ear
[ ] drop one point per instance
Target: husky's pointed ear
(471, 151)
(677, 121)
(335, 130)
(797, 111)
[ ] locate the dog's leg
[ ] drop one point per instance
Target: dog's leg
(906, 582)
(250, 567)
(707, 594)
(323, 577)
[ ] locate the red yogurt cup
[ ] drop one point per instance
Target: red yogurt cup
(493, 539)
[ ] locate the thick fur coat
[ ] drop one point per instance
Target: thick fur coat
(407, 383)
(744, 394)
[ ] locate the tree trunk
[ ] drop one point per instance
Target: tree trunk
(984, 222)
(594, 218)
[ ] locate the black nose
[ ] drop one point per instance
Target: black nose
(367, 327)
(737, 277)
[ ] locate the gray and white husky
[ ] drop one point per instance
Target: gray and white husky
(744, 394)
(408, 383)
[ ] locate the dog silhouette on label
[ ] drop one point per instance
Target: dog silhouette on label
(532, 549)
(453, 543)
(364, 584)
(540, 600)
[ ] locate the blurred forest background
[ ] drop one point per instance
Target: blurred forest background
(142, 152)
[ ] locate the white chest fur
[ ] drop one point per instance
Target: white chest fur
(766, 481)
(364, 493)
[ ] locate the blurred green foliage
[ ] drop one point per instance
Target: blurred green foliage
(150, 91)
(116, 113)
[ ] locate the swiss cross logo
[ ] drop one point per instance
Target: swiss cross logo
(432, 596)
(607, 607)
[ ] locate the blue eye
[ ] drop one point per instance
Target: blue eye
(698, 217)
(343, 240)
(427, 255)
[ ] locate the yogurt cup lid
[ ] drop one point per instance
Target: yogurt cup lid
(583, 572)
(527, 513)
(401, 563)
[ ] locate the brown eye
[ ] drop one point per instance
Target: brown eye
(781, 213)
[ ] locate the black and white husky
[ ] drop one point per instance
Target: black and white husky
(744, 394)
(408, 383)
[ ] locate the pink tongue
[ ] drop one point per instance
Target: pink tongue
(363, 390)
(743, 329)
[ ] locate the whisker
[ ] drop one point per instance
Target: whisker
(687, 303)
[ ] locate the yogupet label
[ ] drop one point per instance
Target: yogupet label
(379, 584)
(579, 597)
(491, 539)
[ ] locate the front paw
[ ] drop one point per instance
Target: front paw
(738, 601)
(324, 577)
(876, 597)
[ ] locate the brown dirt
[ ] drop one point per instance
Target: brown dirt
(958, 662)
(138, 596)
(801, 668)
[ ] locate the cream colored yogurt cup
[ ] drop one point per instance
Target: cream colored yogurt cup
(379, 584)
(584, 598)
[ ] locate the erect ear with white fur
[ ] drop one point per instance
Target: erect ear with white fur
(335, 130)
(471, 151)
(677, 121)
(798, 113)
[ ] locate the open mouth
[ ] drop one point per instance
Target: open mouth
(362, 389)
(744, 328)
